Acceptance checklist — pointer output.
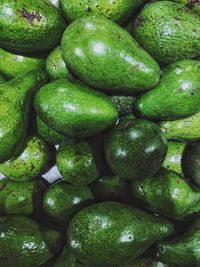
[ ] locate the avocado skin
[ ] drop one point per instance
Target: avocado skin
(15, 111)
(62, 200)
(33, 25)
(76, 162)
(99, 230)
(177, 95)
(56, 67)
(24, 243)
(106, 57)
(167, 194)
(73, 109)
(123, 103)
(182, 251)
(168, 31)
(135, 149)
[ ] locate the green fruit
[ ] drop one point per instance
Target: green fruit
(67, 259)
(24, 243)
(135, 149)
(143, 262)
(123, 103)
(176, 96)
(167, 194)
(15, 104)
(76, 162)
(168, 31)
(73, 109)
(56, 67)
(182, 251)
(29, 26)
(112, 232)
(105, 56)
(62, 200)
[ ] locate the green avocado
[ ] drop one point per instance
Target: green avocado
(135, 148)
(76, 162)
(24, 243)
(73, 109)
(109, 233)
(146, 262)
(30, 26)
(15, 103)
(123, 103)
(32, 161)
(182, 251)
(177, 95)
(105, 56)
(62, 200)
(168, 31)
(67, 259)
(167, 194)
(56, 67)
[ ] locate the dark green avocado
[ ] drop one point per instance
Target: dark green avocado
(124, 103)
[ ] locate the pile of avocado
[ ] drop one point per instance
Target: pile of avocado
(107, 92)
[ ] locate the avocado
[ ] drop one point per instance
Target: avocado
(177, 95)
(56, 67)
(74, 109)
(193, 5)
(76, 162)
(168, 31)
(124, 103)
(182, 251)
(67, 259)
(106, 57)
(134, 148)
(109, 233)
(24, 243)
(167, 194)
(146, 262)
(15, 103)
(30, 26)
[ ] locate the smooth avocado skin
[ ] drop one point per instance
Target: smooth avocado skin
(105, 56)
(124, 103)
(62, 200)
(15, 103)
(168, 31)
(74, 109)
(30, 26)
(182, 251)
(99, 230)
(76, 162)
(24, 243)
(135, 149)
(176, 96)
(167, 194)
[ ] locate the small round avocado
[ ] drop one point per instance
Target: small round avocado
(123, 103)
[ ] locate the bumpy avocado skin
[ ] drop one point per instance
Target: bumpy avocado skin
(123, 103)
(56, 67)
(73, 109)
(182, 251)
(105, 56)
(62, 200)
(76, 162)
(99, 230)
(167, 194)
(24, 243)
(30, 26)
(15, 104)
(115, 10)
(177, 95)
(135, 149)
(168, 31)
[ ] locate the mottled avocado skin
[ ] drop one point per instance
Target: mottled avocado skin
(29, 26)
(76, 162)
(73, 109)
(176, 96)
(105, 56)
(30, 163)
(123, 103)
(56, 67)
(168, 31)
(62, 200)
(100, 230)
(182, 251)
(15, 103)
(135, 149)
(24, 243)
(115, 10)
